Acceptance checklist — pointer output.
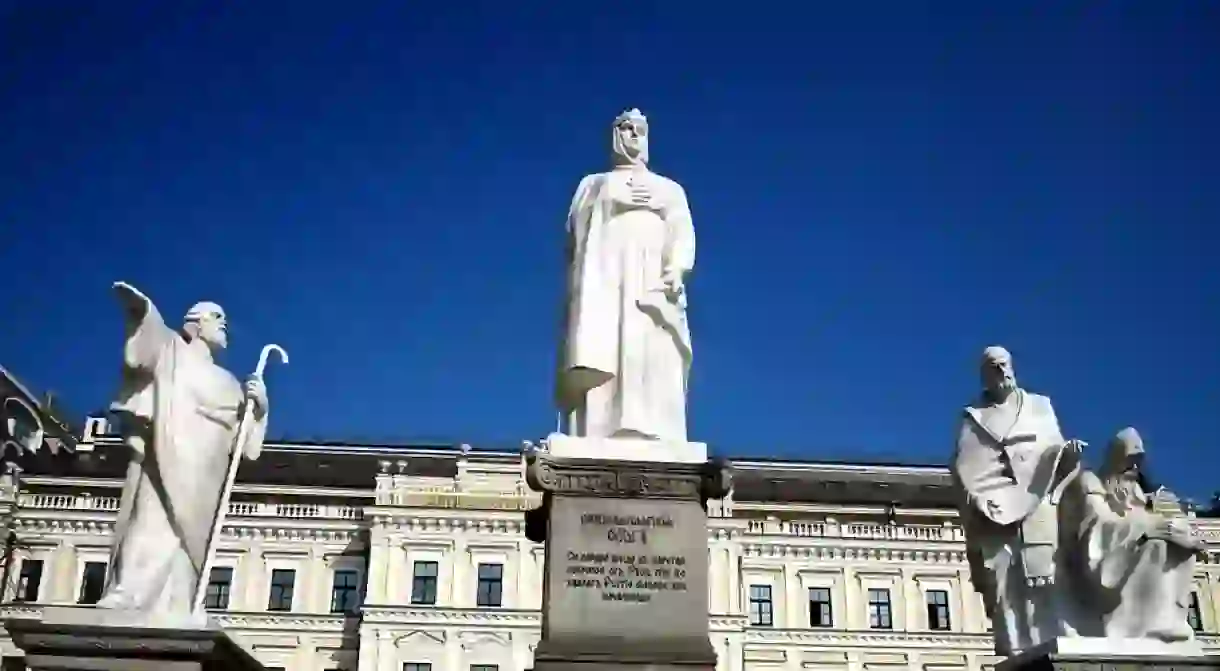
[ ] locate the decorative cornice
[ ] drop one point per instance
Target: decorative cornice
(414, 615)
(391, 520)
(858, 550)
(868, 638)
(282, 622)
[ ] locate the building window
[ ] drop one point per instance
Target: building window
(879, 609)
(760, 606)
(282, 580)
(423, 583)
(1194, 614)
(820, 614)
(29, 580)
(220, 582)
(491, 585)
(416, 666)
(938, 609)
(484, 667)
(344, 592)
(92, 580)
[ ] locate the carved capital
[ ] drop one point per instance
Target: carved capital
(618, 479)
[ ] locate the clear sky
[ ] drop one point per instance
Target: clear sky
(880, 190)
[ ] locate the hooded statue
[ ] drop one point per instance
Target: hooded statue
(1135, 563)
(626, 348)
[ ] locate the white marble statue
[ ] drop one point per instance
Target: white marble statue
(1012, 465)
(179, 413)
(1136, 564)
(627, 348)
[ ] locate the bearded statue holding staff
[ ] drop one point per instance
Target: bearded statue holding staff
(180, 414)
(1012, 466)
(626, 349)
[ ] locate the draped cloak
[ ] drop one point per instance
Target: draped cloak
(1009, 513)
(626, 349)
(180, 413)
(1138, 586)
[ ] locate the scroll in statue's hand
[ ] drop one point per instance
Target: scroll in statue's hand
(135, 304)
(1069, 460)
(1176, 531)
(672, 281)
(1183, 534)
(256, 391)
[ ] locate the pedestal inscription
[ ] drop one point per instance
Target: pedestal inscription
(626, 561)
(625, 565)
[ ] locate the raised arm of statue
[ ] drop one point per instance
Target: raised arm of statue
(147, 333)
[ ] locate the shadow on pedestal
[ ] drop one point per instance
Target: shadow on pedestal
(65, 647)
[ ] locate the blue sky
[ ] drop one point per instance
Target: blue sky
(880, 190)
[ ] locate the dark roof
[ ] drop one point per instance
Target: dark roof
(57, 432)
(355, 467)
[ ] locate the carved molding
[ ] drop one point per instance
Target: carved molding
(862, 550)
(458, 616)
(243, 622)
(435, 637)
(473, 639)
(873, 639)
(594, 477)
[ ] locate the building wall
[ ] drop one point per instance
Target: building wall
(381, 533)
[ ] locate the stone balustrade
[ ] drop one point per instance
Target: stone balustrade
(61, 502)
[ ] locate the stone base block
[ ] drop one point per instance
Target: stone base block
(560, 446)
(1105, 654)
(609, 653)
(97, 647)
(626, 581)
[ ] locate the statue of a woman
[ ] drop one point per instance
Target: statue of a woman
(627, 349)
(179, 413)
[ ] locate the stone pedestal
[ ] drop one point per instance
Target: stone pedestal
(626, 580)
(83, 641)
(1102, 654)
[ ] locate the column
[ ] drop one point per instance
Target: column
(853, 618)
(368, 649)
(912, 597)
(63, 575)
(252, 576)
(312, 577)
(453, 652)
(734, 573)
(459, 596)
(399, 572)
(522, 564)
(379, 556)
(386, 656)
(971, 620)
(790, 618)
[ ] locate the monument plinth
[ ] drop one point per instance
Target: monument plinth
(71, 638)
(626, 579)
(1084, 653)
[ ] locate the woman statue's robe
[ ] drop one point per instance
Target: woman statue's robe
(180, 414)
(626, 351)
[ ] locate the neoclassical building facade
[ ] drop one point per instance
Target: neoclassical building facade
(414, 558)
